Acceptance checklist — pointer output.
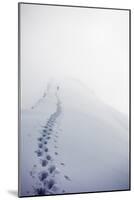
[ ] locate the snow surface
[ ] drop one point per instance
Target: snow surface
(71, 142)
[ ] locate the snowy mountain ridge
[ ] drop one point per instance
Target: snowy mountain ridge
(74, 141)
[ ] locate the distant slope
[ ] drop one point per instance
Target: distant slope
(72, 142)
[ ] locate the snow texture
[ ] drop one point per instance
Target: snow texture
(71, 142)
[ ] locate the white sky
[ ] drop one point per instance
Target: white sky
(91, 45)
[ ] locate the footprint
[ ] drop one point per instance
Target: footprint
(44, 163)
(40, 191)
(46, 149)
(43, 175)
(62, 164)
(52, 168)
(40, 145)
(51, 182)
(56, 153)
(40, 139)
(45, 142)
(66, 177)
(48, 157)
(39, 153)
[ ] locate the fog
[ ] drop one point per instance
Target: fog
(91, 45)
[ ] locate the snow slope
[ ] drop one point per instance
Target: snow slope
(71, 142)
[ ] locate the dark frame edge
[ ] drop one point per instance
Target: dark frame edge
(50, 195)
(19, 97)
(76, 6)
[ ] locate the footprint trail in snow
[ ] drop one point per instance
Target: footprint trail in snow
(46, 175)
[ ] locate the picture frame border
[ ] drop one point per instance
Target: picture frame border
(19, 93)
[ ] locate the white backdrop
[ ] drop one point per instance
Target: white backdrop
(8, 100)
